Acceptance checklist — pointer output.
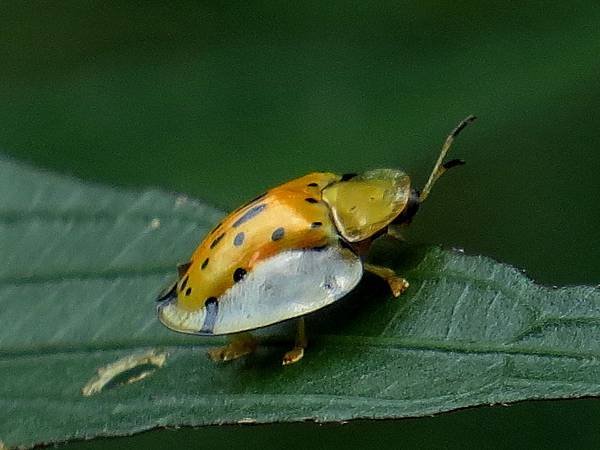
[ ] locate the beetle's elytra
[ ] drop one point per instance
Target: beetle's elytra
(291, 251)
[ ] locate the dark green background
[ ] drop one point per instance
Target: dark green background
(221, 102)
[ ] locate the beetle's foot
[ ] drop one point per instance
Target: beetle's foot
(296, 354)
(293, 356)
(228, 353)
(240, 345)
(398, 285)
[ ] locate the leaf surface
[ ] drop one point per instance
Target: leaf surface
(82, 265)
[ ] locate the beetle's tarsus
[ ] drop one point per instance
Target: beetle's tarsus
(397, 284)
(294, 355)
(240, 345)
(297, 353)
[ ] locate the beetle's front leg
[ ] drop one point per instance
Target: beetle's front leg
(296, 354)
(239, 345)
(397, 284)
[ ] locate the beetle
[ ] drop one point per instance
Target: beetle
(291, 251)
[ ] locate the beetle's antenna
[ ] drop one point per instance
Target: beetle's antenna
(440, 167)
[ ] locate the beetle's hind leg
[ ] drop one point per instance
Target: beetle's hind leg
(397, 284)
(296, 354)
(239, 345)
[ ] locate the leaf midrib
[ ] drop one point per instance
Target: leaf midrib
(347, 341)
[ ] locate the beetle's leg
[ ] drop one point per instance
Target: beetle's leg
(239, 345)
(395, 232)
(296, 354)
(397, 284)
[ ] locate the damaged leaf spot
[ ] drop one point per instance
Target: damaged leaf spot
(180, 201)
(246, 420)
(155, 223)
(131, 369)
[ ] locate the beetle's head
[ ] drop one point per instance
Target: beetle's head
(365, 204)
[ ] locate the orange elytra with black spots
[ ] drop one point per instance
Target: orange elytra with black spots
(293, 250)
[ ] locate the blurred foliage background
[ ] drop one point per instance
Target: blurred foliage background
(222, 100)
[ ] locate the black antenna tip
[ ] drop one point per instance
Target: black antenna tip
(461, 126)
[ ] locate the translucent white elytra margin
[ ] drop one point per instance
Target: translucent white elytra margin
(290, 284)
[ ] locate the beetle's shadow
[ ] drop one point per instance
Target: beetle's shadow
(368, 309)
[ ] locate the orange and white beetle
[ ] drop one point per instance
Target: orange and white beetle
(291, 251)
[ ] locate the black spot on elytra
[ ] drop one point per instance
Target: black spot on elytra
(239, 274)
(212, 311)
(316, 224)
(313, 185)
(311, 200)
(217, 226)
(217, 240)
(188, 291)
(204, 264)
(183, 284)
(277, 234)
(252, 212)
(239, 239)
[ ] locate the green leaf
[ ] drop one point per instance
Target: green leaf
(82, 265)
